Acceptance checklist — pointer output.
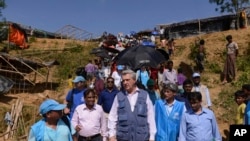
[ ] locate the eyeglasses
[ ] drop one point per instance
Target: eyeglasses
(110, 81)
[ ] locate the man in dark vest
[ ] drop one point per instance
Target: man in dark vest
(132, 114)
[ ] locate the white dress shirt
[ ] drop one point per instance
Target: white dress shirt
(169, 76)
(92, 121)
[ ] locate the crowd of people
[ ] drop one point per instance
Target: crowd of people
(114, 103)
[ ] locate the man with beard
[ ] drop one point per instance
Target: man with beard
(198, 87)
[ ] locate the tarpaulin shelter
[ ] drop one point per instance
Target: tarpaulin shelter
(22, 71)
(5, 84)
(17, 35)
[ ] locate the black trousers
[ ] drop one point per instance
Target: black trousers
(96, 137)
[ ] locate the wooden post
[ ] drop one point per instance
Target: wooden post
(199, 22)
(15, 113)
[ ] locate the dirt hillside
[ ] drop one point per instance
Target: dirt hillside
(215, 46)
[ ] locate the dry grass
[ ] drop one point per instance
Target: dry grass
(215, 47)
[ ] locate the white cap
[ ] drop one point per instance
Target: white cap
(196, 74)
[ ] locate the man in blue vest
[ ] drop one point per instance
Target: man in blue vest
(168, 114)
(132, 114)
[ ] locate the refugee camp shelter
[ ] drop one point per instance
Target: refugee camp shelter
(199, 26)
(24, 73)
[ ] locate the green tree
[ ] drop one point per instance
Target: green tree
(230, 6)
(2, 6)
(3, 31)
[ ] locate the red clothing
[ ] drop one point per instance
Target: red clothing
(154, 76)
(99, 86)
(154, 73)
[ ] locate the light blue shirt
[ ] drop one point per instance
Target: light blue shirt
(77, 99)
(61, 133)
(199, 127)
(143, 76)
(168, 107)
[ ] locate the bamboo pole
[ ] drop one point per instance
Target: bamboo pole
(22, 121)
(6, 136)
(18, 111)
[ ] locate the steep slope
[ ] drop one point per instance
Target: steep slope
(215, 47)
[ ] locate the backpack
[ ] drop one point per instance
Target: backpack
(65, 119)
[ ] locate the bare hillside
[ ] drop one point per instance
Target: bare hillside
(215, 46)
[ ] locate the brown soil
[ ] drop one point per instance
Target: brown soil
(215, 45)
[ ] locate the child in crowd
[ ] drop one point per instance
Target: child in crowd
(240, 98)
(70, 83)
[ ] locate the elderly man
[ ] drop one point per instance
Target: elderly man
(132, 113)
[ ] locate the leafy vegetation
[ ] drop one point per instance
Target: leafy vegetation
(213, 67)
(231, 6)
(225, 105)
(32, 39)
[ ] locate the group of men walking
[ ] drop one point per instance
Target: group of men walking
(127, 115)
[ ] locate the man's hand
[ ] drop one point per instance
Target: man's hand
(78, 128)
(66, 111)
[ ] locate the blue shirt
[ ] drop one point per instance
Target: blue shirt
(199, 127)
(143, 76)
(153, 95)
(61, 133)
(106, 99)
(183, 98)
(78, 99)
(247, 114)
